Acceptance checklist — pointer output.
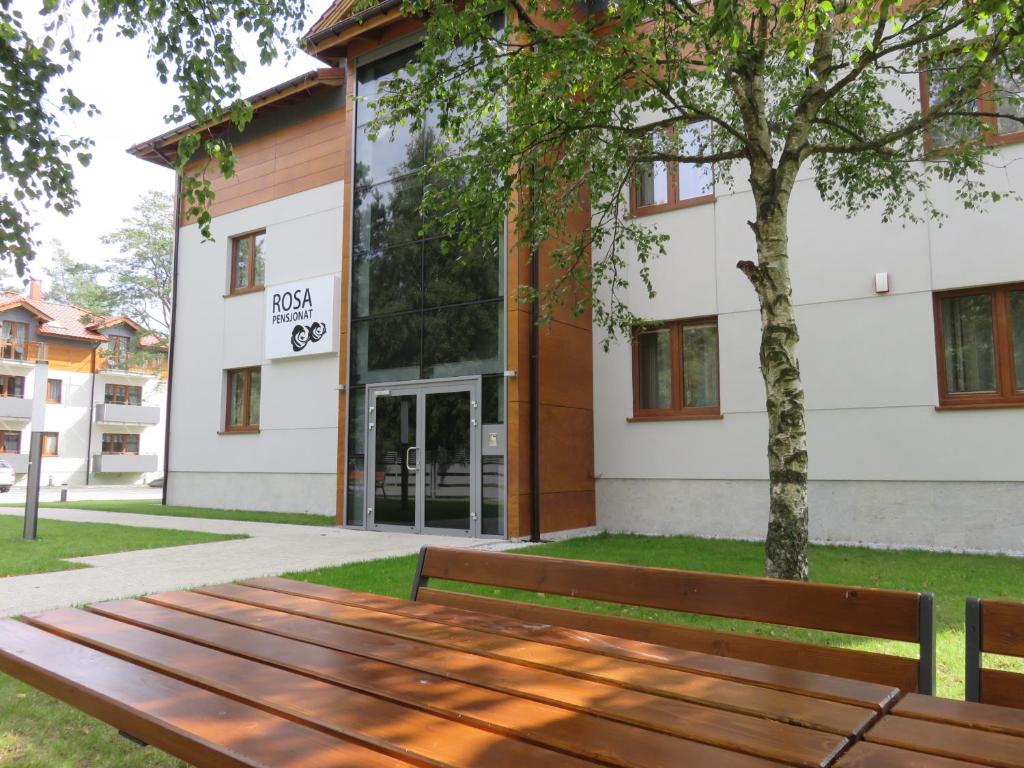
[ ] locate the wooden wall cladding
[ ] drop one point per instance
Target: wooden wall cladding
(69, 357)
(296, 158)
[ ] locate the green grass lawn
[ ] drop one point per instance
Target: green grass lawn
(154, 507)
(38, 732)
(59, 539)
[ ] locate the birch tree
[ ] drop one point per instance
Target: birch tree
(564, 106)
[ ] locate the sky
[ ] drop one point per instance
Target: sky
(121, 80)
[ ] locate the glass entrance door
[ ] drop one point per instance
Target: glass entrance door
(424, 443)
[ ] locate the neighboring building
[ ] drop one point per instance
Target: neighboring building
(105, 392)
(327, 359)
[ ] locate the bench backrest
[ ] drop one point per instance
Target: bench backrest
(879, 613)
(994, 626)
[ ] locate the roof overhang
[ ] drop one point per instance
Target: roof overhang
(328, 37)
(163, 149)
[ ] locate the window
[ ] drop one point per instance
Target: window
(54, 390)
(11, 441)
(49, 443)
(675, 370)
(247, 262)
(122, 394)
(1004, 94)
(117, 443)
(15, 340)
(663, 186)
(980, 346)
(117, 352)
(243, 400)
(12, 386)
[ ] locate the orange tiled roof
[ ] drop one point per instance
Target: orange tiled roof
(335, 12)
(65, 320)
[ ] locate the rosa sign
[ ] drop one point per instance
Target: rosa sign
(302, 318)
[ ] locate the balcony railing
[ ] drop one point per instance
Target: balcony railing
(151, 365)
(124, 462)
(15, 408)
(116, 413)
(23, 351)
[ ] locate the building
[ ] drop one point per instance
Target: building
(326, 358)
(104, 383)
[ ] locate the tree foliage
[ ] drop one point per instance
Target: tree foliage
(560, 109)
(192, 45)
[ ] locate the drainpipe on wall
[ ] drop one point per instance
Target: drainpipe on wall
(170, 339)
(534, 401)
(92, 418)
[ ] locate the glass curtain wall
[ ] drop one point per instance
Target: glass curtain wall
(421, 308)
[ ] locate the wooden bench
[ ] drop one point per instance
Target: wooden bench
(877, 613)
(994, 626)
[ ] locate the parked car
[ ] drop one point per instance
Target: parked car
(6, 475)
(156, 482)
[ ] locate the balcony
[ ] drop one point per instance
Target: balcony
(137, 364)
(18, 461)
(23, 352)
(116, 413)
(135, 463)
(15, 408)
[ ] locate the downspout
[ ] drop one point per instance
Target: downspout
(170, 341)
(534, 399)
(92, 418)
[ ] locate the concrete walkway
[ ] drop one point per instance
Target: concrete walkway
(271, 548)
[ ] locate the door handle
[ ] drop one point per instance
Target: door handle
(411, 455)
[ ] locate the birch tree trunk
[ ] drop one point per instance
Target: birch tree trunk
(786, 541)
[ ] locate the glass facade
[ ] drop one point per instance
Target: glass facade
(422, 307)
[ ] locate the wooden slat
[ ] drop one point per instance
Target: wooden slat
(354, 714)
(865, 755)
(881, 613)
(548, 625)
(582, 733)
(180, 719)
(1002, 627)
(881, 669)
(984, 717)
(638, 708)
(838, 718)
(1006, 689)
(983, 747)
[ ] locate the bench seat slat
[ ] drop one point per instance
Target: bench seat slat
(943, 740)
(725, 694)
(867, 755)
(695, 650)
(183, 720)
(636, 707)
(581, 732)
(882, 613)
(410, 733)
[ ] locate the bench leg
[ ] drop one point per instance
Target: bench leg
(132, 739)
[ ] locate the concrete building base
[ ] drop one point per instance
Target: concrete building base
(955, 516)
(256, 491)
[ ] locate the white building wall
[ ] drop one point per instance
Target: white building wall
(886, 467)
(290, 465)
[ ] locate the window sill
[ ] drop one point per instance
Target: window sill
(241, 431)
(245, 291)
(693, 202)
(978, 406)
(677, 417)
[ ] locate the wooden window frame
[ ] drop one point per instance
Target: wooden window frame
(5, 342)
(56, 443)
(245, 426)
(679, 410)
(674, 203)
(125, 389)
(60, 391)
(986, 103)
(121, 438)
(3, 435)
(252, 287)
(5, 380)
(1006, 394)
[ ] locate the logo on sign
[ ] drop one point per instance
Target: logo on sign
(307, 334)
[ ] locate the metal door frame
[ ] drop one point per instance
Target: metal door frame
(421, 388)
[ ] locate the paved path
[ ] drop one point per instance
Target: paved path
(85, 493)
(271, 549)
